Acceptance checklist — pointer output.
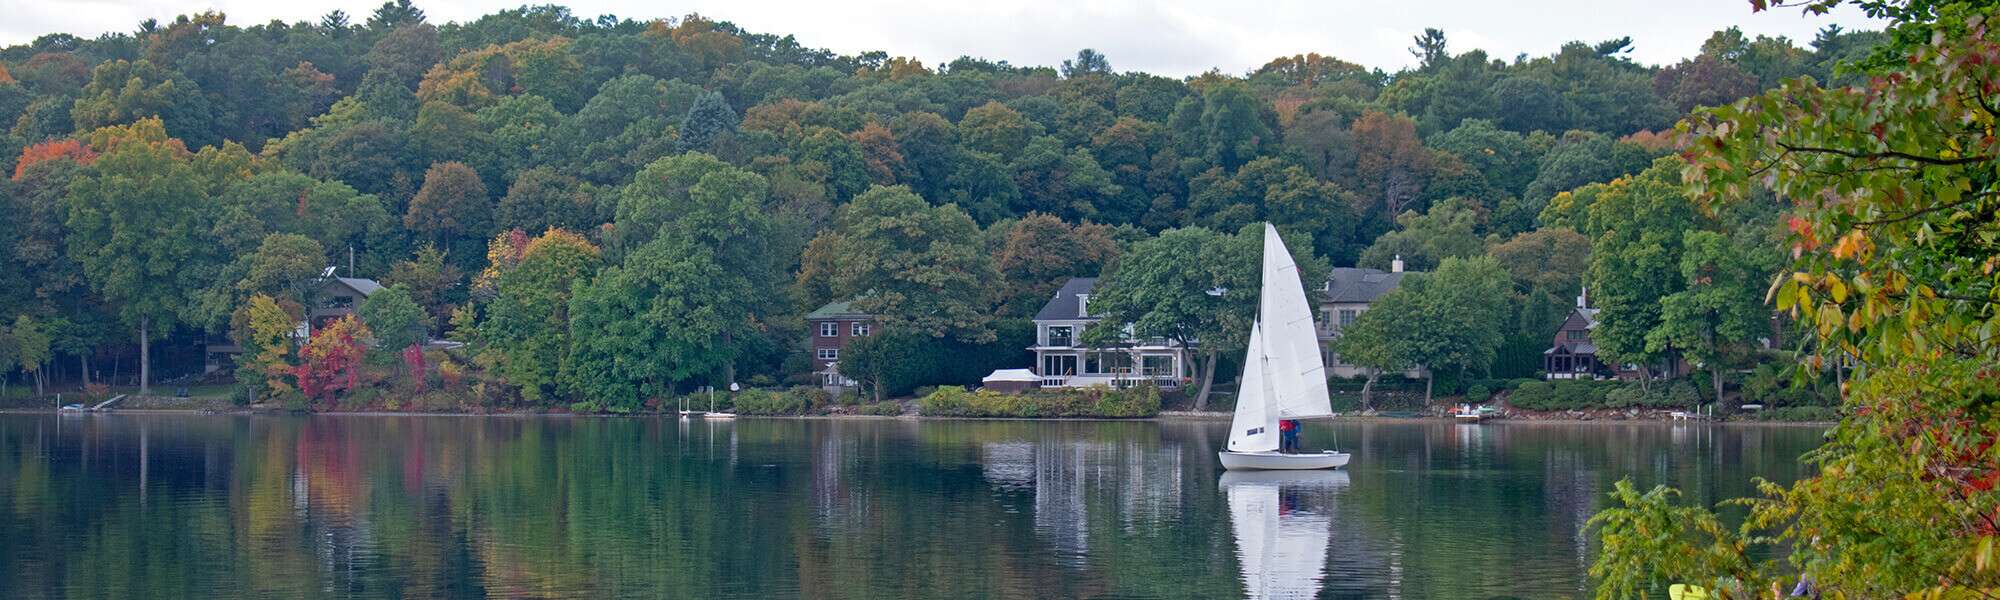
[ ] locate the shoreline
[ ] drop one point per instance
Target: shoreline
(1164, 416)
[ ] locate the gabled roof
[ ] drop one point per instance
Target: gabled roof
(1354, 284)
(367, 287)
(835, 310)
(1064, 307)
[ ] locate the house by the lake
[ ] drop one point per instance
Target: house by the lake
(832, 326)
(1571, 355)
(336, 297)
(1348, 292)
(1062, 359)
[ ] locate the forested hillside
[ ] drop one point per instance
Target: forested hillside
(611, 210)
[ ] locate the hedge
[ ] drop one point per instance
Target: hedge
(949, 401)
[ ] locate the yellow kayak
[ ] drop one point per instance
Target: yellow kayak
(1682, 591)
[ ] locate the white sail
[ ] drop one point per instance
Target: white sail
(1293, 370)
(1254, 429)
(1282, 529)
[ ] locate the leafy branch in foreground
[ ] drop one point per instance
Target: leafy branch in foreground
(1895, 239)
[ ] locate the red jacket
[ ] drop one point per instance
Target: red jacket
(1287, 425)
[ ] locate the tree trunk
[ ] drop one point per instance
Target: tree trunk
(145, 357)
(1715, 376)
(1430, 376)
(83, 361)
(1368, 390)
(1207, 381)
(1645, 378)
(729, 368)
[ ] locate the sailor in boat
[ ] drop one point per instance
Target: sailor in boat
(1283, 377)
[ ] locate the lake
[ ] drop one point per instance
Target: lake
(128, 505)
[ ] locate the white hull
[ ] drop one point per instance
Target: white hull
(1277, 461)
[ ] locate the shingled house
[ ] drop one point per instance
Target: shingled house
(1571, 355)
(1062, 360)
(1348, 292)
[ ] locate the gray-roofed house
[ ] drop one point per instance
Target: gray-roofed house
(336, 297)
(1572, 355)
(339, 297)
(1062, 360)
(831, 327)
(1348, 292)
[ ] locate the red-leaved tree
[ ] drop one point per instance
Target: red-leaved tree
(330, 364)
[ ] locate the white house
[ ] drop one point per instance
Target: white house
(1062, 360)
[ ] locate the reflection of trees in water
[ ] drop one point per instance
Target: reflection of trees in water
(446, 506)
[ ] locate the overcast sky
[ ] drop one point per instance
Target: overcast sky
(1166, 37)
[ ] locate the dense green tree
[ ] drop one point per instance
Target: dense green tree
(542, 199)
(527, 325)
(451, 205)
(432, 283)
(1635, 261)
(916, 267)
(1163, 286)
(140, 232)
(1424, 241)
(395, 319)
(123, 92)
(1041, 251)
(1723, 303)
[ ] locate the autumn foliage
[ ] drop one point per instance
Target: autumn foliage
(52, 150)
(330, 364)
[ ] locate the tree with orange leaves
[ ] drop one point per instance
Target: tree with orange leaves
(330, 364)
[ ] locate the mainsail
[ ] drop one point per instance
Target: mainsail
(1297, 376)
(1283, 377)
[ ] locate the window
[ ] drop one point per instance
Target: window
(1058, 365)
(1577, 335)
(828, 353)
(340, 302)
(1061, 336)
(1157, 365)
(860, 329)
(1107, 363)
(829, 329)
(1347, 316)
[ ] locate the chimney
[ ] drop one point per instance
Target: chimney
(1582, 298)
(1396, 266)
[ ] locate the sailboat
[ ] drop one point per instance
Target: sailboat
(1283, 525)
(1283, 377)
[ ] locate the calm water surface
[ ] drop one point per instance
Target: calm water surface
(192, 506)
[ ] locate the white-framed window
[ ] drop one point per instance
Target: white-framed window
(1061, 336)
(828, 353)
(860, 329)
(1347, 317)
(829, 329)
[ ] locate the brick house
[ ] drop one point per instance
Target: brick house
(831, 327)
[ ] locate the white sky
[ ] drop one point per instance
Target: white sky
(1169, 37)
